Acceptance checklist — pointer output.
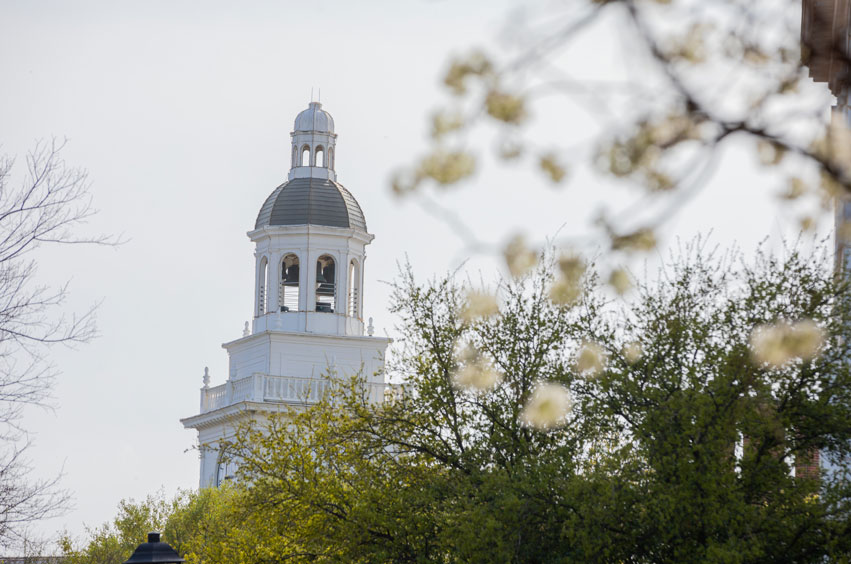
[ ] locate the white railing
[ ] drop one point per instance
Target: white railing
(241, 390)
(283, 388)
(213, 398)
(279, 389)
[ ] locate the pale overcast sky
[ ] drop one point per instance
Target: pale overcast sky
(181, 113)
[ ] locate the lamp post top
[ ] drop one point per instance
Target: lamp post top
(154, 552)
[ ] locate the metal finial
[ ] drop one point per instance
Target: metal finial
(370, 329)
(245, 330)
(206, 377)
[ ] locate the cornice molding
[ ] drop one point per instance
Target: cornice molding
(317, 338)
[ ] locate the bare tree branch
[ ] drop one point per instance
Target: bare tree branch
(48, 206)
(700, 76)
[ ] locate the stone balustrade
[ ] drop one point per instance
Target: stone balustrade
(277, 389)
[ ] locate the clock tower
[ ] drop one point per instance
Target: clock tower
(310, 238)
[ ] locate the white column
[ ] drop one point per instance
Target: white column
(309, 277)
(342, 275)
(361, 270)
(257, 260)
(274, 291)
(258, 394)
(346, 287)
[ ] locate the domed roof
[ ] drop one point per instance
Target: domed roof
(311, 201)
(314, 118)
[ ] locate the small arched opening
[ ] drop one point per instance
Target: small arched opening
(289, 296)
(326, 287)
(354, 289)
(225, 467)
(305, 155)
(261, 286)
(319, 156)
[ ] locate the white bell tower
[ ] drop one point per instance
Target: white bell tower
(310, 238)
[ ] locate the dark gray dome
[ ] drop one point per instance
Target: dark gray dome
(311, 201)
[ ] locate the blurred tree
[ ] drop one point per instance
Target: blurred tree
(694, 77)
(44, 206)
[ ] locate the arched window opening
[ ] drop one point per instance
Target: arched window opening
(225, 467)
(295, 157)
(305, 156)
(331, 158)
(289, 295)
(261, 287)
(354, 279)
(326, 288)
(320, 156)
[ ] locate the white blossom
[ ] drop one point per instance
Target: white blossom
(477, 377)
(633, 352)
(590, 359)
(549, 405)
(478, 305)
(475, 373)
(780, 342)
(620, 281)
(518, 257)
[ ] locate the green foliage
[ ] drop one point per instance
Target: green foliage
(678, 445)
(683, 454)
(193, 523)
(113, 543)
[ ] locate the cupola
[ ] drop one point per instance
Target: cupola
(313, 144)
(310, 236)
